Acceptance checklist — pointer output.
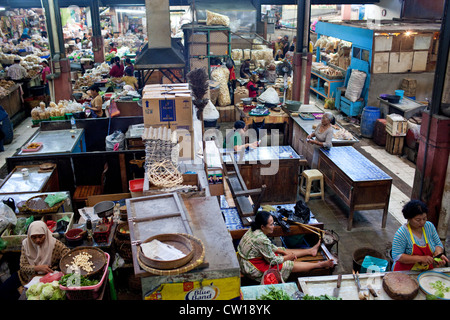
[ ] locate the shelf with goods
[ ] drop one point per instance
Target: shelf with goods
(324, 88)
(205, 43)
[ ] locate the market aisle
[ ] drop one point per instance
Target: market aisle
(22, 133)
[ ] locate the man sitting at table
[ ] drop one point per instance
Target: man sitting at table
(234, 139)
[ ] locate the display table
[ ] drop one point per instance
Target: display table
(302, 128)
(406, 107)
(356, 180)
(320, 285)
(36, 181)
(277, 167)
(218, 277)
(57, 141)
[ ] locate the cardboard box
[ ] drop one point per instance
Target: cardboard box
(172, 110)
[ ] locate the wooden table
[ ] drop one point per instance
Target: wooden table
(300, 129)
(276, 167)
(274, 118)
(356, 180)
(406, 107)
(317, 286)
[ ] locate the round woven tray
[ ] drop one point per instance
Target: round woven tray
(197, 259)
(32, 205)
(98, 259)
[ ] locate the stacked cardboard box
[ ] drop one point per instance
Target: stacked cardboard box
(170, 105)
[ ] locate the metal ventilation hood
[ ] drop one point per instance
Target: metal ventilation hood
(161, 52)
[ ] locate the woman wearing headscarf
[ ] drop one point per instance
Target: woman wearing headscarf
(41, 253)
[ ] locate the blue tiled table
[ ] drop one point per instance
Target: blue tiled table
(356, 180)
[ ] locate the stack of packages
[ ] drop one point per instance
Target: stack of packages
(170, 106)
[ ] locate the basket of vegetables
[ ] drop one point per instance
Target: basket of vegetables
(84, 287)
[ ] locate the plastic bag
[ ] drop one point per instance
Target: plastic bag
(270, 96)
(53, 199)
(117, 137)
(355, 85)
(7, 217)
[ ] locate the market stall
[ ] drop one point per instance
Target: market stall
(356, 180)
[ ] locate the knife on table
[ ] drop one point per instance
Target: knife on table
(338, 286)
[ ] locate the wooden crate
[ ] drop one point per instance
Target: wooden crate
(409, 86)
(394, 144)
(227, 114)
(396, 127)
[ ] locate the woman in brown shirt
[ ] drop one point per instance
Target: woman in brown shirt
(96, 102)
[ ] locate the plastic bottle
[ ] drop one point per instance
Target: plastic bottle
(72, 122)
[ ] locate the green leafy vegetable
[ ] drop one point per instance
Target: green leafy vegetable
(73, 280)
(275, 294)
(321, 297)
(440, 288)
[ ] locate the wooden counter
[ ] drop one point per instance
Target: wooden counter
(12, 102)
(356, 180)
(301, 129)
(276, 167)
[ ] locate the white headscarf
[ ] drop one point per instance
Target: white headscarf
(39, 255)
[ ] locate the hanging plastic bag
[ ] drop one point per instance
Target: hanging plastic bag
(113, 110)
(7, 217)
(114, 138)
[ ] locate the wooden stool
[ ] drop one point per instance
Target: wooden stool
(308, 176)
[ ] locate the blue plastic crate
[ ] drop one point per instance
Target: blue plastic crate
(372, 264)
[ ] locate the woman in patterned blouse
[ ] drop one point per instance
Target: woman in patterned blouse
(41, 254)
(256, 253)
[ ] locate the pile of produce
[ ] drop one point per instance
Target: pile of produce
(222, 75)
(81, 54)
(440, 289)
(4, 87)
(45, 291)
(42, 112)
(274, 294)
(74, 280)
(321, 297)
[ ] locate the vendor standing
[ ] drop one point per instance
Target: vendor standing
(45, 71)
(323, 135)
(252, 86)
(417, 242)
(40, 255)
(96, 102)
(112, 48)
(16, 72)
(271, 73)
(257, 254)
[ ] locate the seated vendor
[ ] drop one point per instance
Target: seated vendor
(41, 254)
(234, 139)
(417, 242)
(244, 72)
(271, 73)
(256, 253)
(129, 79)
(96, 103)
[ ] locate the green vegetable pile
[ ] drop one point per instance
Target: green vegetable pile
(73, 280)
(321, 297)
(440, 288)
(45, 291)
(275, 294)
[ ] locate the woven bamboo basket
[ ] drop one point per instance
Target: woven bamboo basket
(32, 202)
(98, 259)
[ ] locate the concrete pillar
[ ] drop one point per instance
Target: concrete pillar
(59, 81)
(97, 39)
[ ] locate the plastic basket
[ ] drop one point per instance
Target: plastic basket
(87, 292)
(136, 187)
